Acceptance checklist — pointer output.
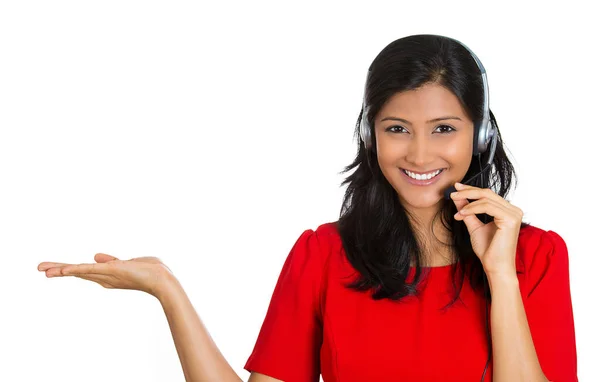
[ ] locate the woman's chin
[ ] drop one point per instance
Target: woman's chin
(421, 201)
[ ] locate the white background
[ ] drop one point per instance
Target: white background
(211, 136)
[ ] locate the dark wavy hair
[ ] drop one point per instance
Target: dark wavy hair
(374, 226)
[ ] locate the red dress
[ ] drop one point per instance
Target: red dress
(314, 325)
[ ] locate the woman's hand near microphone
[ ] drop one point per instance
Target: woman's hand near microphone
(200, 358)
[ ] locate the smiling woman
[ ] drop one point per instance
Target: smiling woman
(373, 296)
(336, 308)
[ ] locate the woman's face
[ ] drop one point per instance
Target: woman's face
(407, 139)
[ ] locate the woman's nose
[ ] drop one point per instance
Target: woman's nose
(419, 151)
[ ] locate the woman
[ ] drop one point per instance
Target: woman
(379, 295)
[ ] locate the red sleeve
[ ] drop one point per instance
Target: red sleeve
(549, 309)
(289, 341)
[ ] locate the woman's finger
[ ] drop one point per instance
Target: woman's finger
(97, 268)
(103, 257)
(476, 193)
(55, 271)
(487, 206)
(78, 269)
(99, 257)
(471, 192)
(46, 265)
(104, 280)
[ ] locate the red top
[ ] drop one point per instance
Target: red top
(315, 325)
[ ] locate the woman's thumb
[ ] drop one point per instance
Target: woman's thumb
(103, 258)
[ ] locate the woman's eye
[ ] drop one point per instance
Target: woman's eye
(445, 129)
(450, 129)
(391, 128)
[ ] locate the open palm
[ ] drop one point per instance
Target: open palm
(143, 273)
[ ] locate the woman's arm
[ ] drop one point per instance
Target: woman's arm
(515, 358)
(200, 357)
(535, 328)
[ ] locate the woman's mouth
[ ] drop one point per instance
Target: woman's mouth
(422, 180)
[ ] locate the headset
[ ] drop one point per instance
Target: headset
(484, 132)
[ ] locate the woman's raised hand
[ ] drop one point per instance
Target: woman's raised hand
(146, 274)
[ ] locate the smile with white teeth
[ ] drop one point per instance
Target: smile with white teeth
(421, 177)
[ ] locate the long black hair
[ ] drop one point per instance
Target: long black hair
(374, 226)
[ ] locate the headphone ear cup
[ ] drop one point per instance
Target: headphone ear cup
(476, 138)
(482, 137)
(365, 130)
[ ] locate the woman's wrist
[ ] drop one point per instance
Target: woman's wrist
(166, 285)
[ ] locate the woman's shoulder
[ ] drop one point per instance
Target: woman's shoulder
(324, 236)
(328, 231)
(317, 244)
(537, 246)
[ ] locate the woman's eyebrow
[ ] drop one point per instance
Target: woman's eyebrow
(431, 120)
